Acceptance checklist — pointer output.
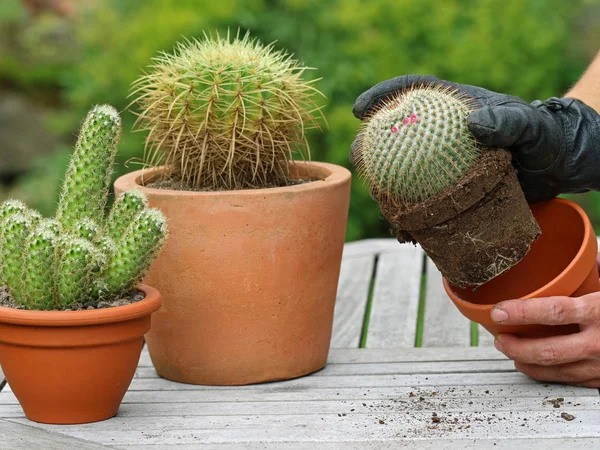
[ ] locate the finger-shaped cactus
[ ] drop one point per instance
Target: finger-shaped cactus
(135, 250)
(16, 229)
(124, 211)
(37, 290)
(85, 189)
(77, 257)
(417, 144)
(78, 261)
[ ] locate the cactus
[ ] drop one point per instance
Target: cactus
(37, 290)
(16, 228)
(226, 113)
(136, 250)
(125, 209)
(417, 144)
(84, 192)
(53, 263)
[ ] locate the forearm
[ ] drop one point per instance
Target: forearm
(587, 89)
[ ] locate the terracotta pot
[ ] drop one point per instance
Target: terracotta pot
(248, 277)
(68, 367)
(561, 262)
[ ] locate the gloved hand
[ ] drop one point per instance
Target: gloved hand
(555, 143)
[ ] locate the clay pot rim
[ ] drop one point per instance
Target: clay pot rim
(144, 307)
(579, 263)
(335, 175)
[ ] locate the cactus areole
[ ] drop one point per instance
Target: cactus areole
(437, 186)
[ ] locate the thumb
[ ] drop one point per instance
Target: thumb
(505, 126)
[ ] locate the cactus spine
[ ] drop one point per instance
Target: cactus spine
(226, 113)
(417, 144)
(53, 263)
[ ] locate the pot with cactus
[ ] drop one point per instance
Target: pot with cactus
(437, 186)
(249, 275)
(72, 314)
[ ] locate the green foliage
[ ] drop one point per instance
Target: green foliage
(354, 43)
(417, 144)
(53, 263)
(225, 113)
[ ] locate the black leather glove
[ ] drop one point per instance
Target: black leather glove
(555, 143)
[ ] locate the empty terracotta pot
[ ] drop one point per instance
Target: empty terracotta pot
(68, 367)
(561, 262)
(248, 277)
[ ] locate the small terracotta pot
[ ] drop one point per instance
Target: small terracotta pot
(68, 367)
(562, 262)
(248, 277)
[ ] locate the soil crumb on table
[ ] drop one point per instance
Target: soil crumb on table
(7, 301)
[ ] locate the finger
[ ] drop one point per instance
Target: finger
(598, 260)
(382, 91)
(504, 126)
(547, 311)
(547, 351)
(595, 383)
(578, 373)
(519, 126)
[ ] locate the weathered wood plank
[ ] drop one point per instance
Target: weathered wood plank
(23, 436)
(486, 339)
(437, 354)
(351, 301)
(395, 303)
(270, 393)
(347, 407)
(387, 355)
(371, 247)
(463, 380)
(443, 325)
(403, 368)
(421, 444)
(334, 427)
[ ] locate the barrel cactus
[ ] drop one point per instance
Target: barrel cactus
(226, 113)
(417, 144)
(80, 257)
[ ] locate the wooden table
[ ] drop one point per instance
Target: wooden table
(406, 370)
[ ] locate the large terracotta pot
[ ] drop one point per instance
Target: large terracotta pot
(248, 277)
(68, 367)
(561, 262)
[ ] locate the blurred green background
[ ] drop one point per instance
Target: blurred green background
(60, 57)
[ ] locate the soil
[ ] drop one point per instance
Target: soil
(178, 185)
(7, 301)
(475, 231)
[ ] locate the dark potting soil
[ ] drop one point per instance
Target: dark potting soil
(178, 185)
(475, 231)
(7, 301)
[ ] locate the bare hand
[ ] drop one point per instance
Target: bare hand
(571, 359)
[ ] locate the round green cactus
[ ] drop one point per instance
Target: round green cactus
(88, 176)
(226, 113)
(417, 144)
(136, 250)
